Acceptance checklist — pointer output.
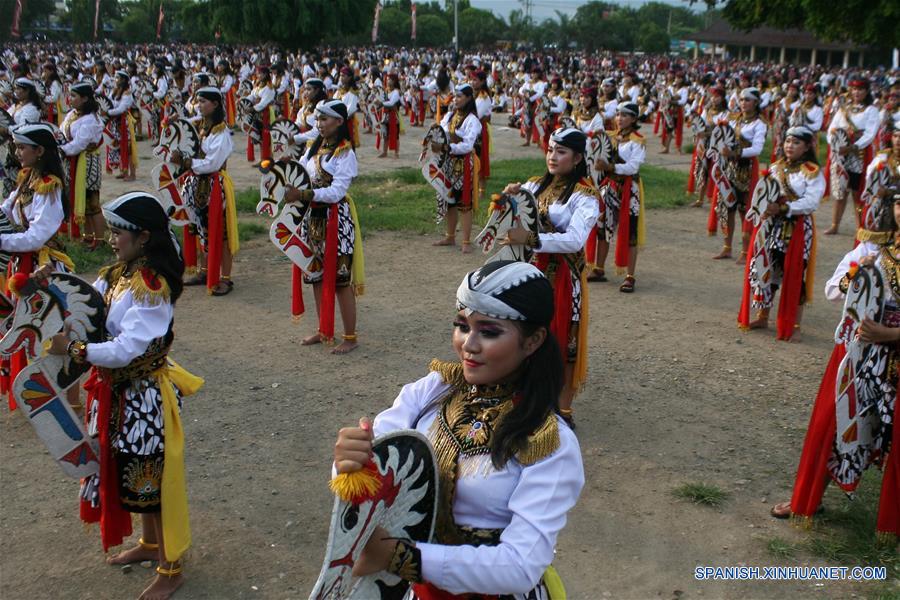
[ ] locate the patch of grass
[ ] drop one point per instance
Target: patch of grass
(780, 548)
(246, 200)
(845, 532)
(702, 493)
(89, 262)
(248, 230)
(664, 188)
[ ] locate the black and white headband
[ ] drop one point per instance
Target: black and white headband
(509, 290)
(32, 134)
(628, 108)
(464, 88)
(210, 93)
(82, 89)
(570, 137)
(333, 108)
(801, 132)
(134, 212)
(751, 93)
(24, 82)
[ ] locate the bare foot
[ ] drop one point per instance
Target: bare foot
(742, 259)
(466, 248)
(162, 587)
(382, 155)
(133, 555)
(345, 347)
(796, 337)
(697, 204)
(725, 253)
(312, 340)
(759, 323)
(525, 144)
(831, 230)
(663, 151)
(446, 241)
(782, 510)
(129, 178)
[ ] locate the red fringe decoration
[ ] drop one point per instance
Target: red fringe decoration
(189, 250)
(485, 149)
(562, 300)
(744, 312)
(623, 234)
(812, 472)
(792, 283)
(329, 275)
(115, 522)
(215, 233)
(889, 504)
(297, 308)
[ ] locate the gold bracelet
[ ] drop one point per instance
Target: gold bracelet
(77, 351)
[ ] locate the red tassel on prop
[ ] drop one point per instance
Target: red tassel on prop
(329, 276)
(297, 308)
(623, 234)
(792, 283)
(216, 235)
(812, 472)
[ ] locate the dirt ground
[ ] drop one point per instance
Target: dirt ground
(676, 394)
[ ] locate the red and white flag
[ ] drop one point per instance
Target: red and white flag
(375, 23)
(96, 17)
(159, 21)
(17, 15)
(413, 20)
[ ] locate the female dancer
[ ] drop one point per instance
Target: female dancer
(36, 209)
(53, 99)
(84, 134)
(626, 221)
(750, 134)
(212, 196)
(226, 87)
(484, 107)
(349, 95)
(463, 128)
(510, 469)
(331, 163)
(790, 242)
(123, 151)
(135, 393)
(568, 208)
(587, 116)
(263, 97)
(390, 119)
(860, 120)
(678, 93)
(869, 434)
(27, 109)
(313, 95)
(715, 111)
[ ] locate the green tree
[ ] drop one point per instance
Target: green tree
(33, 12)
(432, 30)
(872, 22)
(479, 27)
(652, 38)
(394, 26)
(81, 18)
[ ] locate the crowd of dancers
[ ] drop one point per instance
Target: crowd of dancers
(505, 410)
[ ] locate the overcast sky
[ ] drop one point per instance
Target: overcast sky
(544, 9)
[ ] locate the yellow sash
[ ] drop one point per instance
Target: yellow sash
(231, 220)
(358, 270)
(176, 529)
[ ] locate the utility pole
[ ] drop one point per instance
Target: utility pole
(456, 25)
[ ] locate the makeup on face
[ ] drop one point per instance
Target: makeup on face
(491, 350)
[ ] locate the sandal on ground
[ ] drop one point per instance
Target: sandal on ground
(627, 285)
(782, 510)
(597, 275)
(218, 291)
(198, 279)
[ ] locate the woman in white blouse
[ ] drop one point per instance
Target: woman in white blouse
(208, 187)
(860, 119)
(788, 241)
(331, 164)
(54, 88)
(750, 136)
(122, 153)
(83, 130)
(568, 207)
(388, 137)
(463, 130)
(510, 468)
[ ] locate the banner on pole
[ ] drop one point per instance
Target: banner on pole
(17, 15)
(413, 21)
(96, 17)
(159, 21)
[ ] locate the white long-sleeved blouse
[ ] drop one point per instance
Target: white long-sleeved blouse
(131, 324)
(43, 216)
(343, 169)
(529, 503)
(573, 222)
(469, 131)
(216, 147)
(81, 131)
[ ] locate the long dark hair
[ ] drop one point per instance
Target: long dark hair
(218, 114)
(469, 108)
(540, 385)
(442, 80)
(163, 257)
(343, 133)
(49, 163)
(90, 104)
(34, 97)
